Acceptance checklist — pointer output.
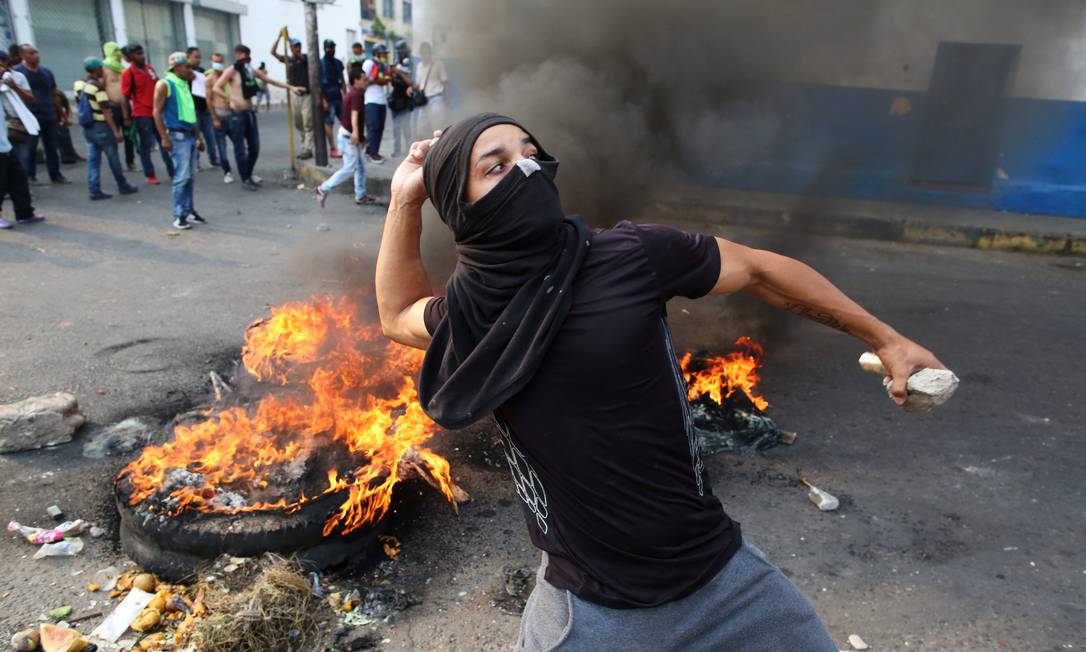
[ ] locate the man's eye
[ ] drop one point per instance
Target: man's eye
(497, 168)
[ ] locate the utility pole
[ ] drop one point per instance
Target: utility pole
(320, 144)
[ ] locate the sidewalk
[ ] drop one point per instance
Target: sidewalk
(857, 218)
(880, 220)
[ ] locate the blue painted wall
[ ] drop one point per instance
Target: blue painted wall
(845, 141)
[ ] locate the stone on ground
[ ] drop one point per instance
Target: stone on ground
(38, 422)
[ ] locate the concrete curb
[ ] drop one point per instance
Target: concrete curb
(312, 175)
(1017, 233)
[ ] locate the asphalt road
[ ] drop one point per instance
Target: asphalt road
(959, 529)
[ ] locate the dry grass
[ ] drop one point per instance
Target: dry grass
(277, 612)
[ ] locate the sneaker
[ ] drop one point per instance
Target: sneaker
(365, 200)
(257, 180)
(321, 196)
(61, 180)
(304, 155)
(195, 217)
(31, 219)
(128, 190)
(100, 195)
(376, 160)
(4, 224)
(249, 185)
(181, 224)
(335, 153)
(228, 178)
(152, 180)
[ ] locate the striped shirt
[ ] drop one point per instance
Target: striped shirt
(95, 95)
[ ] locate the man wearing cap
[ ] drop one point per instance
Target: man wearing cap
(99, 129)
(138, 85)
(175, 119)
(376, 69)
(331, 92)
(297, 65)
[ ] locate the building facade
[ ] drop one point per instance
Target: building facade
(67, 31)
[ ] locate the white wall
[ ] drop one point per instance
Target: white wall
(899, 50)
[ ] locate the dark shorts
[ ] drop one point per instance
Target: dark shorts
(335, 107)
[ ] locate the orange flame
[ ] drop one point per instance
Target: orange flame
(354, 388)
(723, 376)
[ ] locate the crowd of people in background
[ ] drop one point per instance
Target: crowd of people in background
(189, 112)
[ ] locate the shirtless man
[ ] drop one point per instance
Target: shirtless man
(241, 123)
(113, 67)
(219, 105)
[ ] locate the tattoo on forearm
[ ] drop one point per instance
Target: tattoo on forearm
(824, 318)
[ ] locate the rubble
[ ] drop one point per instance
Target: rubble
(122, 437)
(857, 643)
(517, 585)
(38, 422)
(823, 500)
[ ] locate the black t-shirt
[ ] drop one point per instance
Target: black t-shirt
(298, 71)
(601, 444)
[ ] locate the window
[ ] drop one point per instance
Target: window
(406, 12)
(369, 9)
(65, 32)
(390, 9)
(158, 26)
(216, 31)
(352, 38)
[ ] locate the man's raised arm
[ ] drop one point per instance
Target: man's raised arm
(403, 288)
(793, 286)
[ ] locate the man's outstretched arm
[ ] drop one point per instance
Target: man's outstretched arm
(403, 287)
(793, 286)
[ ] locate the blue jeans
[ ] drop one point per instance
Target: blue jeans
(242, 128)
(219, 143)
(27, 151)
(375, 127)
(207, 128)
(100, 139)
(184, 162)
(352, 165)
(149, 136)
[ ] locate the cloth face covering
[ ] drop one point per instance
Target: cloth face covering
(509, 294)
(111, 51)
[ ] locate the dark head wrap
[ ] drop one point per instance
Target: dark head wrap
(509, 294)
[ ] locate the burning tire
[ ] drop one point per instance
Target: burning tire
(175, 547)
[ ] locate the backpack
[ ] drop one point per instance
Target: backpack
(83, 109)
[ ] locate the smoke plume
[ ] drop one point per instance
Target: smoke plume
(635, 95)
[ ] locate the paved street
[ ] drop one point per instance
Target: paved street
(960, 529)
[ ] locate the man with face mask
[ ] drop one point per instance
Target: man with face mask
(561, 333)
(240, 80)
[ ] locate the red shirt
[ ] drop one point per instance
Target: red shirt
(138, 85)
(354, 102)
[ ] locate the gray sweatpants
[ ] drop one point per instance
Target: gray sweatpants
(748, 606)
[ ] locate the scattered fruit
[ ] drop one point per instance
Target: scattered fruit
(144, 582)
(26, 640)
(60, 639)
